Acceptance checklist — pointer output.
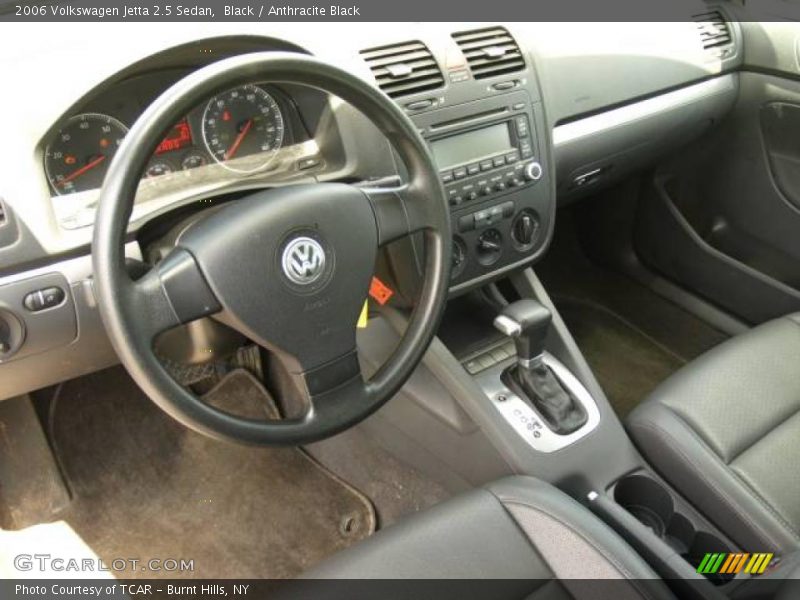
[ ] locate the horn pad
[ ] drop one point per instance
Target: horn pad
(291, 267)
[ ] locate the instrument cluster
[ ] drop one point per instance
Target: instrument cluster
(241, 129)
(242, 136)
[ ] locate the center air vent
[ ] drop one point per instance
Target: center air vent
(714, 30)
(490, 52)
(403, 69)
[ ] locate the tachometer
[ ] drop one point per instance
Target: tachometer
(243, 128)
(78, 156)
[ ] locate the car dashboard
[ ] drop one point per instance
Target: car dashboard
(518, 117)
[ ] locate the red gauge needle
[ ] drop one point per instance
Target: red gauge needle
(82, 170)
(238, 141)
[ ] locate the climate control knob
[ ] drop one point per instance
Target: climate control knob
(525, 229)
(490, 246)
(458, 257)
(533, 171)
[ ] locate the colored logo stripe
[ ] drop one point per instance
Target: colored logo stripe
(758, 563)
(733, 562)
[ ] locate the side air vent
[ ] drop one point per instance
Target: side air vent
(3, 218)
(714, 30)
(490, 52)
(403, 69)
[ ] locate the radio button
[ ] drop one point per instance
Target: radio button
(473, 169)
(499, 161)
(486, 190)
(526, 148)
(420, 104)
(459, 173)
(533, 171)
(522, 126)
(512, 157)
(518, 106)
(486, 165)
(482, 218)
(504, 85)
(447, 177)
(500, 186)
(456, 200)
(466, 223)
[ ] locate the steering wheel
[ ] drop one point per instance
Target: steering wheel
(289, 268)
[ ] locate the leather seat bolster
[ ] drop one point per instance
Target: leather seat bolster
(540, 509)
(684, 459)
(470, 536)
(725, 432)
(516, 529)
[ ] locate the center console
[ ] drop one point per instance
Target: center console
(505, 390)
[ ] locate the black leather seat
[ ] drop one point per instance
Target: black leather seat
(725, 431)
(518, 529)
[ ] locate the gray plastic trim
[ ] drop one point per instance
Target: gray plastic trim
(625, 115)
(525, 420)
(88, 348)
(74, 269)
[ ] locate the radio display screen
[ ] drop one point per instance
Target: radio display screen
(471, 146)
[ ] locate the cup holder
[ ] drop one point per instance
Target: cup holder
(653, 505)
(646, 500)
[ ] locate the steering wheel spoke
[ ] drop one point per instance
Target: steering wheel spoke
(172, 293)
(399, 212)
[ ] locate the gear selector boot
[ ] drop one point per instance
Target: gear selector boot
(527, 323)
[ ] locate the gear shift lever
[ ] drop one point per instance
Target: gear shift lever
(527, 322)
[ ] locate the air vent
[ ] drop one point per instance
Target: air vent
(403, 69)
(3, 218)
(714, 30)
(490, 52)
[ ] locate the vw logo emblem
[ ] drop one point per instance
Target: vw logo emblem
(303, 260)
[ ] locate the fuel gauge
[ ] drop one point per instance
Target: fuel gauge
(158, 168)
(192, 161)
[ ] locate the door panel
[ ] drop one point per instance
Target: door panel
(734, 196)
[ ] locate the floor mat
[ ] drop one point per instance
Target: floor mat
(146, 487)
(627, 363)
(395, 488)
(632, 338)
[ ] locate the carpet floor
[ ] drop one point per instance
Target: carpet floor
(631, 337)
(146, 487)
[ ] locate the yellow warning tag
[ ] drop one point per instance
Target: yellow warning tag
(362, 319)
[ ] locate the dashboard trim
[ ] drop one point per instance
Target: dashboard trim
(625, 115)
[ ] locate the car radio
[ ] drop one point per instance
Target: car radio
(492, 154)
(486, 161)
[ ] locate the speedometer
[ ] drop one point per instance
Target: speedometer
(78, 156)
(243, 128)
